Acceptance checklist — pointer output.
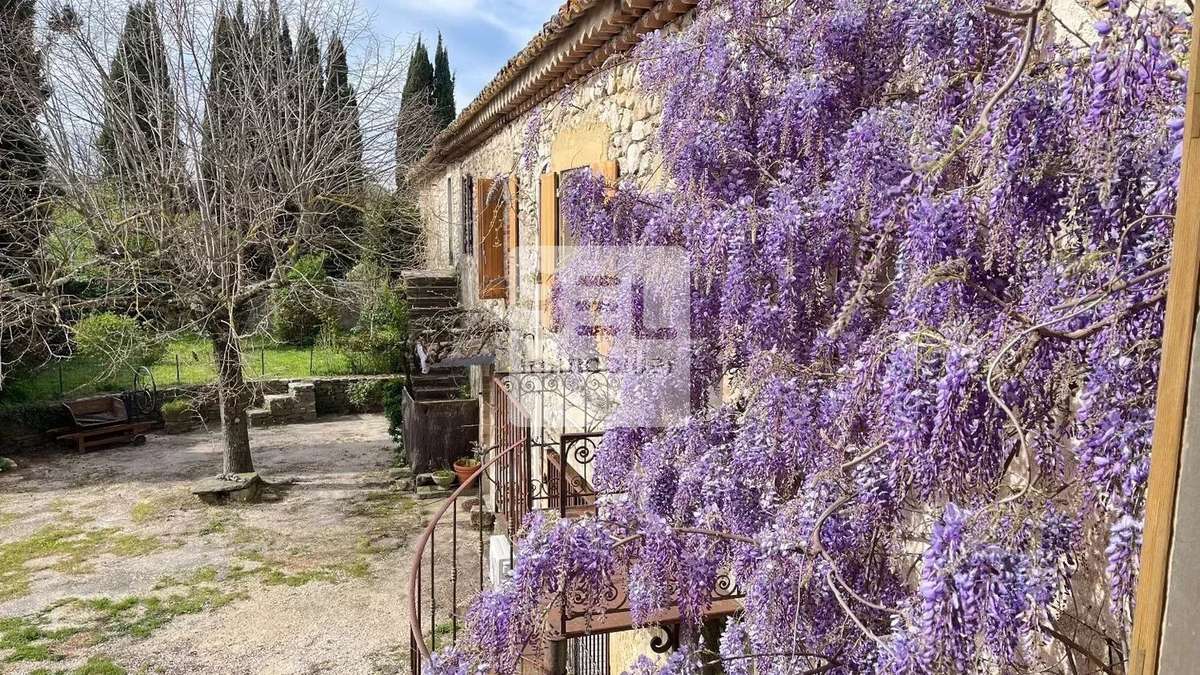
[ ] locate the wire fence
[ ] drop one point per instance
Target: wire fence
(189, 364)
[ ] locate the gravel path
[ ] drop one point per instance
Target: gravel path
(118, 562)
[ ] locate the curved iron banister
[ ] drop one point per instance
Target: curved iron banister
(512, 449)
(519, 484)
(414, 598)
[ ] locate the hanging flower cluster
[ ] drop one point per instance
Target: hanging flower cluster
(928, 242)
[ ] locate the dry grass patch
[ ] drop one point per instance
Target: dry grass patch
(63, 547)
(153, 508)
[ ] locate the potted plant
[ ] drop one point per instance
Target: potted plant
(178, 416)
(444, 478)
(465, 468)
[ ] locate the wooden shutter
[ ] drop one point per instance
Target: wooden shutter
(610, 172)
(489, 218)
(547, 240)
(512, 240)
(467, 215)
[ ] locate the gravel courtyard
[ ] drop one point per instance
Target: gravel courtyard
(109, 565)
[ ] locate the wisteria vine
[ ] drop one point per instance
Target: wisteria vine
(928, 243)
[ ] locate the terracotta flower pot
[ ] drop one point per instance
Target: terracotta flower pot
(465, 471)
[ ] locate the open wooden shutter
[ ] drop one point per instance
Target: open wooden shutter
(547, 240)
(489, 216)
(610, 171)
(512, 239)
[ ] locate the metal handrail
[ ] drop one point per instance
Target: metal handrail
(510, 471)
(414, 606)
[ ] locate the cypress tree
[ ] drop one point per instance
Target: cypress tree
(418, 120)
(23, 211)
(418, 86)
(344, 215)
(309, 84)
(23, 159)
(138, 141)
(443, 87)
(269, 65)
(222, 97)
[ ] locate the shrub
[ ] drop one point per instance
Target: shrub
(393, 409)
(379, 343)
(393, 232)
(119, 341)
(177, 408)
(302, 305)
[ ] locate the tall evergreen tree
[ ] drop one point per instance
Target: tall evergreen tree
(227, 87)
(443, 87)
(23, 175)
(417, 121)
(139, 138)
(269, 66)
(418, 87)
(344, 142)
(22, 150)
(310, 82)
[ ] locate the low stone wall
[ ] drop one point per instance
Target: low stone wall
(23, 428)
(298, 405)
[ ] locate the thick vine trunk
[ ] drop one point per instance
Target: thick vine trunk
(231, 387)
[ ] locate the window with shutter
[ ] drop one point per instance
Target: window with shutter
(450, 219)
(491, 210)
(547, 240)
(467, 215)
(513, 239)
(554, 232)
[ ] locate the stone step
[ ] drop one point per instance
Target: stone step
(423, 320)
(437, 392)
(431, 281)
(434, 310)
(437, 379)
(433, 291)
(259, 417)
(432, 301)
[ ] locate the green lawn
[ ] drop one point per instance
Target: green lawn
(188, 361)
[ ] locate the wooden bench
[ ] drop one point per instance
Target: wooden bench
(102, 421)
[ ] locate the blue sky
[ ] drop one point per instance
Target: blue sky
(480, 34)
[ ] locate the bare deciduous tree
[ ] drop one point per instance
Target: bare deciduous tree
(267, 159)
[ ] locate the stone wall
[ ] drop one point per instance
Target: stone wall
(295, 406)
(23, 429)
(607, 117)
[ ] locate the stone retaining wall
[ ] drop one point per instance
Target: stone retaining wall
(23, 428)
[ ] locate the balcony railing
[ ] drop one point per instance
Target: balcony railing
(428, 573)
(520, 473)
(529, 468)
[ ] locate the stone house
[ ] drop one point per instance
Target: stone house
(488, 194)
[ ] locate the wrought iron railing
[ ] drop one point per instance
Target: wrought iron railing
(432, 577)
(527, 469)
(518, 474)
(515, 485)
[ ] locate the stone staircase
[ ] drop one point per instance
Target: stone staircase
(434, 312)
(299, 404)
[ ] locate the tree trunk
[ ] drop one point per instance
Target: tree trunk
(234, 397)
